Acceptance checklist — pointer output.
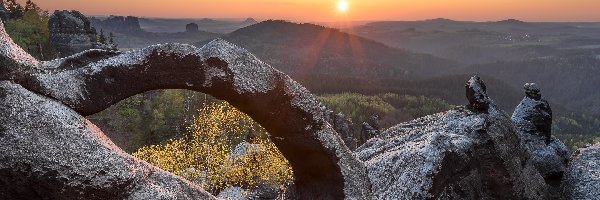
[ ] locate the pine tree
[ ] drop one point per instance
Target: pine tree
(14, 10)
(111, 39)
(101, 37)
(30, 6)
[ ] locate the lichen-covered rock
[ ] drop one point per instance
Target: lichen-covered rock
(582, 178)
(533, 115)
(533, 119)
(477, 94)
(13, 60)
(233, 193)
(49, 151)
(458, 154)
(550, 159)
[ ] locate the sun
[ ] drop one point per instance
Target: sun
(342, 6)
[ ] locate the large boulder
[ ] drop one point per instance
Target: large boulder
(533, 115)
(533, 119)
(582, 178)
(463, 153)
(49, 151)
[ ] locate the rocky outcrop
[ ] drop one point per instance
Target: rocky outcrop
(534, 115)
(533, 119)
(118, 24)
(76, 156)
(71, 33)
(459, 154)
(191, 27)
(582, 178)
(367, 132)
(343, 126)
(477, 94)
(49, 151)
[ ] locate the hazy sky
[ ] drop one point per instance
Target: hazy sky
(326, 10)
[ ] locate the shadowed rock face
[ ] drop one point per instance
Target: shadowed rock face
(93, 80)
(70, 32)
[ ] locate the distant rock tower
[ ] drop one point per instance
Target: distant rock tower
(70, 32)
(533, 115)
(191, 27)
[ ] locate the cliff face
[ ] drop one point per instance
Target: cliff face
(71, 33)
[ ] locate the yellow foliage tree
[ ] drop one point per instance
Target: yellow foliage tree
(205, 155)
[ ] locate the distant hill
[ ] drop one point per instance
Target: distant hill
(301, 49)
(571, 81)
(483, 42)
(143, 38)
(221, 26)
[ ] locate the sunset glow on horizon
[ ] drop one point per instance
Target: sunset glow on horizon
(329, 10)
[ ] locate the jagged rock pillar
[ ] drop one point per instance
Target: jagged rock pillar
(533, 119)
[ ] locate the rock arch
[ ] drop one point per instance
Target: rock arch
(91, 81)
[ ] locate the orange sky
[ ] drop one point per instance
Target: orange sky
(325, 10)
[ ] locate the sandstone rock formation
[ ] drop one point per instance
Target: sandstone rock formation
(458, 154)
(477, 94)
(118, 24)
(65, 155)
(343, 126)
(71, 33)
(48, 149)
(191, 27)
(533, 119)
(534, 115)
(582, 178)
